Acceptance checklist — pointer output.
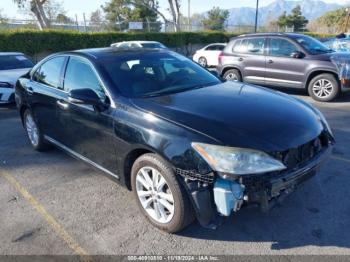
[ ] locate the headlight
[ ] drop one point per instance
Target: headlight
(238, 161)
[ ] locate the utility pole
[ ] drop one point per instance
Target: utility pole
(189, 15)
(256, 16)
(347, 19)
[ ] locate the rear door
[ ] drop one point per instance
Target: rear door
(281, 69)
(249, 55)
(44, 91)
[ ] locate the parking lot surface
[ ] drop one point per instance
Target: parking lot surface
(53, 204)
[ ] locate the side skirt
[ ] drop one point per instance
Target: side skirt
(79, 156)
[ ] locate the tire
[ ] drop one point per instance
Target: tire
(233, 75)
(324, 88)
(180, 214)
(203, 61)
(35, 136)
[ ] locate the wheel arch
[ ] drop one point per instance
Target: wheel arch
(224, 70)
(315, 73)
(129, 161)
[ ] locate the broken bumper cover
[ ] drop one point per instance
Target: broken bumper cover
(262, 190)
(268, 191)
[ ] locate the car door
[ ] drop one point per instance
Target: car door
(43, 93)
(282, 69)
(249, 56)
(88, 129)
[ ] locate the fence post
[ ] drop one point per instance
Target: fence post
(76, 21)
(84, 23)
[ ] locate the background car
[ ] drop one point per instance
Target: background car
(12, 66)
(209, 55)
(188, 144)
(139, 44)
(283, 60)
(338, 45)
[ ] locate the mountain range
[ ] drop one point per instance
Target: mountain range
(311, 9)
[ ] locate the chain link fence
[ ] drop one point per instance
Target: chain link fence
(127, 26)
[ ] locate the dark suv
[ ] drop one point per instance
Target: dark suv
(282, 60)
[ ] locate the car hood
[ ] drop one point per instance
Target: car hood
(11, 76)
(328, 56)
(239, 115)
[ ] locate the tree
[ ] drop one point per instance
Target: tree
(3, 19)
(63, 19)
(96, 17)
(297, 20)
(216, 19)
(120, 10)
(36, 7)
(331, 22)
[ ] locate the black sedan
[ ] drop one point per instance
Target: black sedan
(186, 143)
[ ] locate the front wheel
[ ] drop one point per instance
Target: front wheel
(324, 88)
(159, 195)
(203, 61)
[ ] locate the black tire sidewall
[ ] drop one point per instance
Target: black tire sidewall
(181, 217)
(233, 71)
(333, 80)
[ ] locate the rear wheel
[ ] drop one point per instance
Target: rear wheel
(324, 88)
(203, 61)
(233, 75)
(160, 197)
(34, 134)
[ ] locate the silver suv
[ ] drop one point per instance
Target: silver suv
(283, 60)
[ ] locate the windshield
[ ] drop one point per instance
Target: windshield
(153, 45)
(156, 74)
(8, 62)
(312, 45)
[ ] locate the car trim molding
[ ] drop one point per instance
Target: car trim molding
(79, 156)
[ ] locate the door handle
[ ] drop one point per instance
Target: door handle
(63, 105)
(240, 59)
(30, 90)
(270, 61)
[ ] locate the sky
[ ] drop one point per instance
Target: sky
(73, 7)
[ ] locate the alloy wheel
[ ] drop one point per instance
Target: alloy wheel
(202, 61)
(322, 88)
(232, 77)
(155, 195)
(32, 130)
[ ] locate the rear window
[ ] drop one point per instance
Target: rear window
(152, 45)
(9, 62)
(155, 74)
(250, 46)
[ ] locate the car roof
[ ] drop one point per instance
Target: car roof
(10, 53)
(96, 53)
(138, 42)
(268, 34)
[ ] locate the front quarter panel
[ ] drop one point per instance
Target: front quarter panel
(136, 129)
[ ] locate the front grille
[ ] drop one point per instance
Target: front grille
(192, 175)
(292, 158)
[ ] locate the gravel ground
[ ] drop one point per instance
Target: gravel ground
(72, 207)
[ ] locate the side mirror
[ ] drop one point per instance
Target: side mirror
(297, 54)
(84, 96)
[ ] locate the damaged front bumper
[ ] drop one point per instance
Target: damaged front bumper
(213, 200)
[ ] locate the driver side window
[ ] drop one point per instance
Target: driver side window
(281, 47)
(80, 75)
